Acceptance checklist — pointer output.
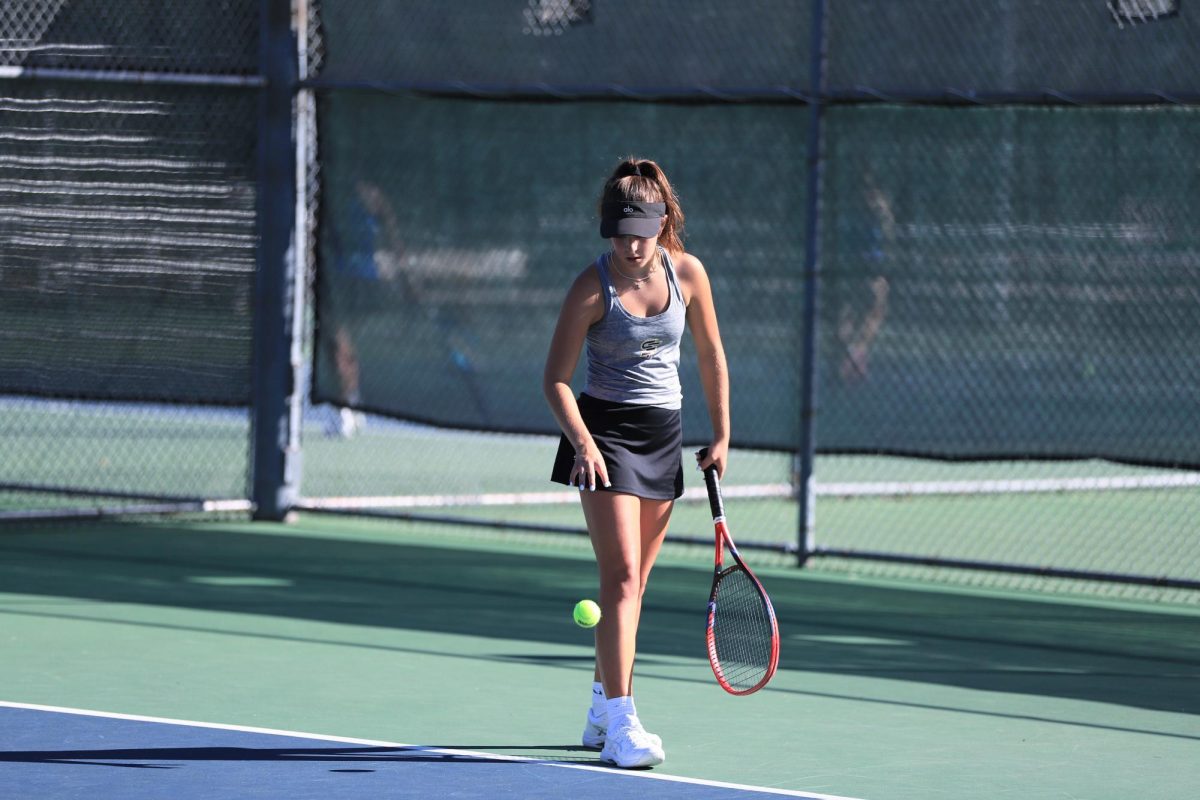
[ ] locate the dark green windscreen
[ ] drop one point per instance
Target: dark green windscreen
(494, 208)
(994, 282)
(1031, 275)
(1000, 280)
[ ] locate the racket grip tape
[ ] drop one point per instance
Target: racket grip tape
(713, 484)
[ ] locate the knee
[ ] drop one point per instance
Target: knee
(622, 581)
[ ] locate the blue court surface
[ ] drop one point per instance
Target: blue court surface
(69, 753)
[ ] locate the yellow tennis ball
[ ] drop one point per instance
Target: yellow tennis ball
(587, 614)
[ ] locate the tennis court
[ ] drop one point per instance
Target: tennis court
(277, 281)
(428, 660)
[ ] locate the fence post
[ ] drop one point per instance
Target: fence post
(276, 435)
(806, 482)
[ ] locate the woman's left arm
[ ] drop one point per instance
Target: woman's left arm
(714, 372)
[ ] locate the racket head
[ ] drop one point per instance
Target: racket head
(742, 634)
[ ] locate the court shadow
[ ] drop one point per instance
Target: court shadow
(1144, 658)
(172, 757)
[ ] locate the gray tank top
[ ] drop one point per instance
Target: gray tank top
(634, 359)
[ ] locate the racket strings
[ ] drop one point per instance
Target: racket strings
(742, 630)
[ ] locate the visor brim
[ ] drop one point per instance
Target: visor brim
(642, 227)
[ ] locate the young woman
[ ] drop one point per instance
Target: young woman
(622, 438)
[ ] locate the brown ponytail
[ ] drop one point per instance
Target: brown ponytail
(641, 180)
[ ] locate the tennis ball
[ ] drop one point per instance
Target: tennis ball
(587, 614)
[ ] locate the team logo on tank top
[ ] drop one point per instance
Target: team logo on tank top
(648, 347)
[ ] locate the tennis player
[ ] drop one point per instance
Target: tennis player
(622, 437)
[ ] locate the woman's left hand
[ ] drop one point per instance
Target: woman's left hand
(717, 454)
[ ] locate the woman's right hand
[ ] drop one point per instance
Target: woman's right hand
(589, 467)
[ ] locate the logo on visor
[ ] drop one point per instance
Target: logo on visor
(627, 209)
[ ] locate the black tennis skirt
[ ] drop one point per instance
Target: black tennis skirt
(642, 448)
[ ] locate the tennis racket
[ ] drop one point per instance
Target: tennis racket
(742, 635)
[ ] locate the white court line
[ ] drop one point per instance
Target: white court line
(439, 750)
(553, 497)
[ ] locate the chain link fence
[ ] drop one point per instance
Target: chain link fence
(128, 242)
(1007, 302)
(1090, 51)
(1005, 363)
(182, 37)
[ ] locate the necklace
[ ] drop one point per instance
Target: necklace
(637, 282)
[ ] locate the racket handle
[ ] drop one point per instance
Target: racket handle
(713, 484)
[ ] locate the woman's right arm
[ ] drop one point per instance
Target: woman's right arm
(582, 308)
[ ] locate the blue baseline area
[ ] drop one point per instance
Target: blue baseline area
(64, 754)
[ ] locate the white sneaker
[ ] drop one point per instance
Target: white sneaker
(351, 422)
(631, 747)
(595, 730)
(345, 423)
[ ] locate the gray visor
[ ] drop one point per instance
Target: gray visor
(631, 218)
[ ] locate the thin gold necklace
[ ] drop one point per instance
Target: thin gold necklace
(637, 282)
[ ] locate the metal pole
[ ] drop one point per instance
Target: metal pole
(276, 441)
(806, 481)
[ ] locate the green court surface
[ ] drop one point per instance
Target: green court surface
(458, 638)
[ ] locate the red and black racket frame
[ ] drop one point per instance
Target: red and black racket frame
(724, 539)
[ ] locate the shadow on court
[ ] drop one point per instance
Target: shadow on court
(148, 757)
(70, 754)
(1138, 658)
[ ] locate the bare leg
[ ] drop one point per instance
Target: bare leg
(656, 516)
(627, 533)
(345, 359)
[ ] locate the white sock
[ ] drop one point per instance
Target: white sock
(599, 710)
(621, 712)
